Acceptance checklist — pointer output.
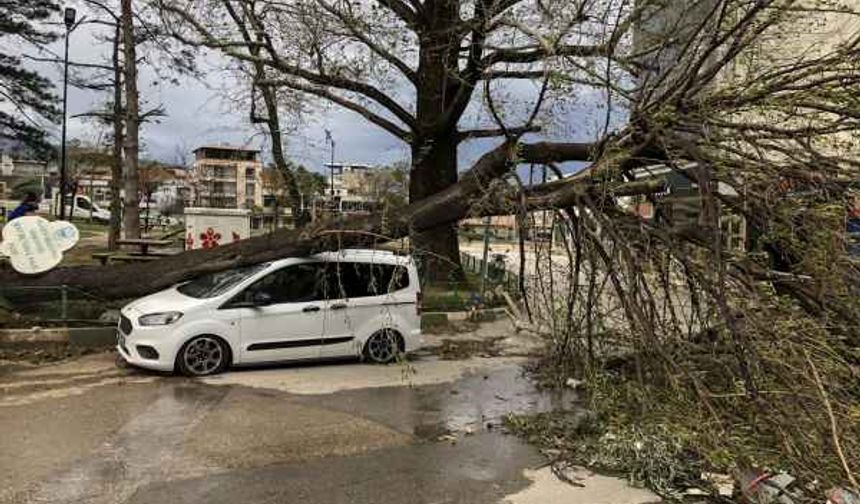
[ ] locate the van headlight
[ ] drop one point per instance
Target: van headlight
(153, 319)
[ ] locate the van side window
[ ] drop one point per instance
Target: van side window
(356, 280)
(294, 284)
(83, 204)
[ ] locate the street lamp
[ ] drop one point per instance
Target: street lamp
(69, 19)
(331, 165)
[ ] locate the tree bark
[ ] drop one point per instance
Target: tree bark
(437, 249)
(116, 166)
(131, 217)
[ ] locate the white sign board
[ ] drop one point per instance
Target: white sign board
(35, 245)
(212, 227)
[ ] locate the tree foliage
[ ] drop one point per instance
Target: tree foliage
(27, 101)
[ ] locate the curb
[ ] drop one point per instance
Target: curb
(97, 336)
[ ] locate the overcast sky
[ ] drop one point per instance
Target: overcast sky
(198, 113)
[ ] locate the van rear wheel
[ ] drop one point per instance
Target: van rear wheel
(383, 347)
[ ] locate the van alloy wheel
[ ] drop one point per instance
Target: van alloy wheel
(202, 356)
(382, 347)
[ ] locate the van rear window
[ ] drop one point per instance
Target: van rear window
(356, 280)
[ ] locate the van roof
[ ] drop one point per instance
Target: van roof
(375, 255)
(362, 255)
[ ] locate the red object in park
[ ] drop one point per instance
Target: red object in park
(210, 238)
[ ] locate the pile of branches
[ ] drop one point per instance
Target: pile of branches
(743, 353)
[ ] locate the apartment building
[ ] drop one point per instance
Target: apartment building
(227, 177)
(348, 187)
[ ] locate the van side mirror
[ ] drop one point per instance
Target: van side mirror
(262, 298)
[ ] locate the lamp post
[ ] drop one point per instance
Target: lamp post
(69, 19)
(331, 167)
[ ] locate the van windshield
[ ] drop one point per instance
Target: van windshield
(215, 284)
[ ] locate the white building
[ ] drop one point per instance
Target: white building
(10, 166)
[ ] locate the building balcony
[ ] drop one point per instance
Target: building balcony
(214, 202)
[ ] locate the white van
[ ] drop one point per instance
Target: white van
(83, 208)
(363, 303)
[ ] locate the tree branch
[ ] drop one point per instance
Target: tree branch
(321, 92)
(495, 132)
(349, 22)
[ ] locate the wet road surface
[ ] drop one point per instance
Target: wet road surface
(94, 433)
(87, 432)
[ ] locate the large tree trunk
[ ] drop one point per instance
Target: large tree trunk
(131, 217)
(116, 166)
(434, 151)
(437, 249)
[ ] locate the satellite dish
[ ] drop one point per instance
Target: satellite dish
(35, 244)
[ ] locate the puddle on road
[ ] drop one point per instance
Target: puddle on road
(475, 403)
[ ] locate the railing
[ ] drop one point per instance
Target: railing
(54, 303)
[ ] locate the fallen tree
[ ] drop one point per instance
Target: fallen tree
(449, 206)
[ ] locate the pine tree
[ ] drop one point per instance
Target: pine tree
(27, 99)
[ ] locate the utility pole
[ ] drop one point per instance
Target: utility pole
(485, 265)
(69, 19)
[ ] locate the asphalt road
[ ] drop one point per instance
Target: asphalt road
(85, 431)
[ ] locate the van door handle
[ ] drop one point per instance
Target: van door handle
(338, 306)
(308, 309)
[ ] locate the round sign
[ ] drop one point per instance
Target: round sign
(35, 244)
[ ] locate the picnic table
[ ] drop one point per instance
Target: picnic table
(144, 244)
(144, 253)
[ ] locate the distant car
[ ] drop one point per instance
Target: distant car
(350, 303)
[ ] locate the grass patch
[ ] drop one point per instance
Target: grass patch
(461, 296)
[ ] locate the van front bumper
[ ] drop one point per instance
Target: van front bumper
(146, 350)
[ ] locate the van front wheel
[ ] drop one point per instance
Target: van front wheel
(202, 356)
(383, 347)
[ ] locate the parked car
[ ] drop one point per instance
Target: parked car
(362, 303)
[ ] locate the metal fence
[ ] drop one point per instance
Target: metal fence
(497, 273)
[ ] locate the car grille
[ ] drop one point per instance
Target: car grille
(124, 324)
(120, 339)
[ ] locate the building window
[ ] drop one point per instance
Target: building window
(250, 193)
(250, 173)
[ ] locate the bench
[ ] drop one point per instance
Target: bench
(154, 253)
(102, 256)
(133, 258)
